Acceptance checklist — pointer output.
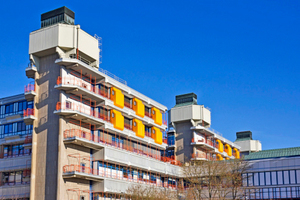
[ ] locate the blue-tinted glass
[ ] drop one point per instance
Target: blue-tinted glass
(6, 128)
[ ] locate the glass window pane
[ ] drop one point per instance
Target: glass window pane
(256, 181)
(20, 106)
(268, 178)
(286, 177)
(279, 177)
(11, 178)
(19, 177)
(292, 177)
(274, 178)
(262, 178)
(298, 176)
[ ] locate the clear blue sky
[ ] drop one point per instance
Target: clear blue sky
(240, 57)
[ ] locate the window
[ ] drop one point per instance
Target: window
(15, 150)
(21, 126)
(274, 178)
(298, 176)
(286, 176)
(279, 178)
(9, 108)
(268, 178)
(68, 105)
(293, 177)
(22, 105)
(262, 178)
(256, 179)
(14, 178)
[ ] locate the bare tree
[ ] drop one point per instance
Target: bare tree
(214, 179)
(143, 192)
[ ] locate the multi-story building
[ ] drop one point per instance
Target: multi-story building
(190, 135)
(273, 174)
(78, 131)
(15, 147)
(247, 144)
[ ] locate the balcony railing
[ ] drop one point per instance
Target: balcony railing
(28, 139)
(128, 126)
(165, 122)
(165, 141)
(202, 156)
(148, 134)
(29, 88)
(82, 84)
(11, 154)
(28, 112)
(82, 109)
(147, 114)
(127, 104)
(123, 174)
(205, 141)
(71, 133)
(78, 133)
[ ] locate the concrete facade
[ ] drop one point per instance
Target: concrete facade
(86, 135)
(190, 136)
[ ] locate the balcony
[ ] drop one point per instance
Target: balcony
(148, 114)
(29, 92)
(28, 142)
(201, 156)
(203, 143)
(128, 126)
(29, 116)
(81, 172)
(30, 71)
(127, 104)
(81, 112)
(80, 87)
(85, 114)
(117, 151)
(115, 180)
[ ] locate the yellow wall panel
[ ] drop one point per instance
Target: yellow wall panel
(139, 128)
(220, 146)
(117, 119)
(219, 157)
(156, 116)
(236, 153)
(138, 107)
(228, 150)
(117, 97)
(157, 135)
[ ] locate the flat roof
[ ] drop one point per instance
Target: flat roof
(56, 12)
(274, 153)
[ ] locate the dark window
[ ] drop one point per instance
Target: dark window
(21, 126)
(9, 108)
(22, 105)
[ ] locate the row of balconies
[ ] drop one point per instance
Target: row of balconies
(114, 121)
(211, 141)
(109, 79)
(119, 152)
(114, 175)
(113, 94)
